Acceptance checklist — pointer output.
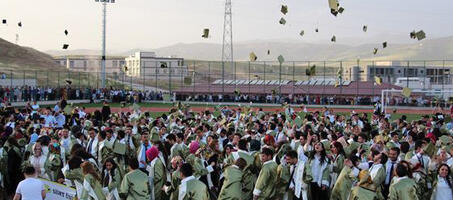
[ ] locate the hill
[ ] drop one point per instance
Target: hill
(18, 57)
(296, 50)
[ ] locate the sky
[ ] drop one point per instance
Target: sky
(148, 24)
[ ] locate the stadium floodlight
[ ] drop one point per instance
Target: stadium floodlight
(104, 23)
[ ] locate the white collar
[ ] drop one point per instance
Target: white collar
(400, 178)
(187, 179)
(267, 162)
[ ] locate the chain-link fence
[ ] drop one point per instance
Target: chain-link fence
(352, 82)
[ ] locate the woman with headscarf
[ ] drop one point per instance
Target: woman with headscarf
(111, 179)
(92, 188)
(157, 173)
(54, 162)
(195, 160)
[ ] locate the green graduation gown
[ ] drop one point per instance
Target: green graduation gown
(343, 185)
(175, 181)
(284, 176)
(378, 175)
(403, 188)
(91, 188)
(158, 176)
(266, 183)
(361, 193)
(249, 177)
(232, 185)
(193, 189)
(135, 186)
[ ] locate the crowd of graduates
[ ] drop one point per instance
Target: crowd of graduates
(235, 153)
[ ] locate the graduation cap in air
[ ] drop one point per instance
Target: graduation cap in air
(268, 52)
(205, 33)
(281, 59)
(384, 45)
(311, 71)
(341, 10)
(302, 33)
(334, 39)
(365, 28)
(420, 35)
(284, 9)
(378, 80)
(69, 82)
(65, 46)
(406, 92)
(333, 5)
(66, 32)
(375, 51)
(253, 57)
(4, 21)
(19, 24)
(125, 68)
(282, 21)
(256, 76)
(316, 30)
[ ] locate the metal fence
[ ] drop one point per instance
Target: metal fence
(212, 75)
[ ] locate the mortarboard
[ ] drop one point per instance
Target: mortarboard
(19, 24)
(253, 57)
(65, 46)
(205, 33)
(281, 59)
(334, 39)
(302, 33)
(340, 10)
(268, 52)
(365, 28)
(282, 21)
(407, 92)
(4, 21)
(420, 35)
(69, 82)
(66, 32)
(284, 9)
(378, 80)
(384, 45)
(316, 30)
(311, 71)
(375, 51)
(333, 5)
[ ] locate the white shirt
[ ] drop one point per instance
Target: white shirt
(30, 189)
(316, 168)
(388, 166)
(443, 191)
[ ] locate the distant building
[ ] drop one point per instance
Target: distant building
(113, 64)
(148, 65)
(391, 72)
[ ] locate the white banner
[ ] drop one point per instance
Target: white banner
(58, 191)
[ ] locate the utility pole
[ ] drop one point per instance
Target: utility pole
(104, 24)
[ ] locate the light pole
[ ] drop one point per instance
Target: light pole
(104, 22)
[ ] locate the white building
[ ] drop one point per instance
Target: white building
(113, 64)
(147, 64)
